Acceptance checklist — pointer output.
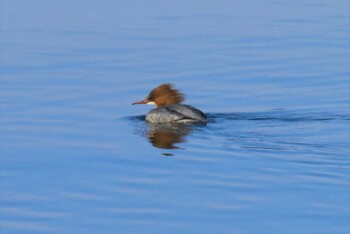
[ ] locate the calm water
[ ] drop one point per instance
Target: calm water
(273, 77)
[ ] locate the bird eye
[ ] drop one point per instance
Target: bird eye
(150, 97)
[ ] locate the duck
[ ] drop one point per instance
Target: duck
(169, 107)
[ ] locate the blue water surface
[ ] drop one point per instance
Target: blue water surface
(272, 76)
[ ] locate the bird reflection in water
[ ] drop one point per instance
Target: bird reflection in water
(166, 135)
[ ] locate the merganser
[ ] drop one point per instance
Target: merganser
(169, 108)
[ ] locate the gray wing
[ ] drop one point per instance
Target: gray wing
(163, 115)
(176, 113)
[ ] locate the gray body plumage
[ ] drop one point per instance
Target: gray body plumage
(178, 113)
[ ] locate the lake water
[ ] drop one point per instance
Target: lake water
(272, 76)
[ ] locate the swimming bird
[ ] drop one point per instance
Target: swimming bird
(169, 108)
